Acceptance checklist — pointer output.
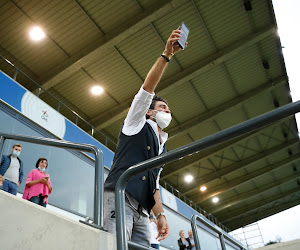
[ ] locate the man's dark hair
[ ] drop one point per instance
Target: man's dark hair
(154, 100)
(39, 160)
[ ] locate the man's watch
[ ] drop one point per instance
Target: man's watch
(159, 214)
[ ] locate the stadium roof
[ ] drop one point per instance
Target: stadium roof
(232, 70)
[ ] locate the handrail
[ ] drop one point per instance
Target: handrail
(211, 140)
(99, 165)
(212, 227)
(193, 205)
(59, 103)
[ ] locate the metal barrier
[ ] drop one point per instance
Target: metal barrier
(235, 131)
(215, 229)
(186, 200)
(94, 130)
(99, 165)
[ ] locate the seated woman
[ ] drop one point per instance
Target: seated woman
(38, 184)
(182, 242)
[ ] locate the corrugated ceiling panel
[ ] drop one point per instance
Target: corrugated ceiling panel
(109, 15)
(290, 187)
(278, 94)
(179, 141)
(189, 106)
(146, 4)
(142, 49)
(226, 21)
(29, 53)
(246, 70)
(278, 156)
(259, 104)
(265, 181)
(244, 188)
(272, 56)
(199, 44)
(255, 167)
(69, 27)
(203, 129)
(173, 123)
(260, 14)
(40, 10)
(249, 202)
(229, 118)
(83, 99)
(111, 72)
(214, 87)
(285, 172)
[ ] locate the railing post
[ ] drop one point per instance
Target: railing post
(195, 233)
(222, 241)
(122, 243)
(38, 92)
(15, 75)
(99, 181)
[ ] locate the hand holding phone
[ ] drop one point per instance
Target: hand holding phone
(184, 35)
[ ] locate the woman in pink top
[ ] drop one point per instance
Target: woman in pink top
(38, 184)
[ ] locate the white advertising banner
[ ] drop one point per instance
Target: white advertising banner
(43, 114)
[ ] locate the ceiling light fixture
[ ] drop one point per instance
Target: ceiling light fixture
(37, 34)
(96, 90)
(215, 200)
(188, 178)
(203, 188)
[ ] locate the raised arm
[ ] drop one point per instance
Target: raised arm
(161, 63)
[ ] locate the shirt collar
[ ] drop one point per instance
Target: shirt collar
(163, 135)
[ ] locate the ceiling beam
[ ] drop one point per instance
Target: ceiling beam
(241, 180)
(232, 104)
(263, 214)
(255, 207)
(189, 73)
(224, 204)
(125, 30)
(178, 166)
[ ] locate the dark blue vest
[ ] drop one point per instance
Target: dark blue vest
(130, 151)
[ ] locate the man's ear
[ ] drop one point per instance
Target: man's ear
(149, 112)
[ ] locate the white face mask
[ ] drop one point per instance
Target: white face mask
(163, 119)
(16, 153)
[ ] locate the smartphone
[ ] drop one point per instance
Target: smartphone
(184, 35)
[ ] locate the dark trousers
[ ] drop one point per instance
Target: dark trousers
(38, 200)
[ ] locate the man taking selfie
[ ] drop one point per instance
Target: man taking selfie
(141, 138)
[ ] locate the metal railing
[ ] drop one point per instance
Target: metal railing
(215, 229)
(224, 135)
(189, 202)
(99, 165)
(94, 131)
